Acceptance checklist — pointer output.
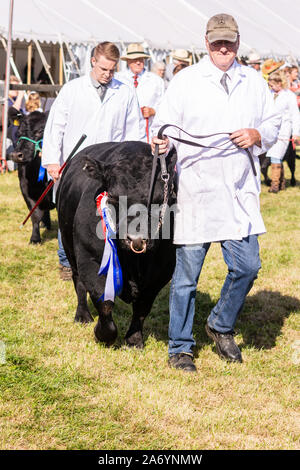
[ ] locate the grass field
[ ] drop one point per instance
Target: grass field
(61, 390)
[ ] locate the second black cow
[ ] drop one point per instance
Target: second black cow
(120, 169)
(32, 177)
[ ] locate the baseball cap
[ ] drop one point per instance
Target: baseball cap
(222, 27)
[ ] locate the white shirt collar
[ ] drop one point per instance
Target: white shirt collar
(133, 74)
(218, 73)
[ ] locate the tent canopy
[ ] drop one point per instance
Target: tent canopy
(269, 26)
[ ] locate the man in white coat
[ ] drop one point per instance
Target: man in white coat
(149, 86)
(97, 105)
(218, 192)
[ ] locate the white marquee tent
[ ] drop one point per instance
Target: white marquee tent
(272, 27)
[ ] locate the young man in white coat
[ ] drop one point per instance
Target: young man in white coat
(149, 86)
(218, 192)
(97, 105)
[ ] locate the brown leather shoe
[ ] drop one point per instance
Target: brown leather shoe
(182, 361)
(225, 345)
(65, 273)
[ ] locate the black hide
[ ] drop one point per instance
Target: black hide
(29, 161)
(121, 169)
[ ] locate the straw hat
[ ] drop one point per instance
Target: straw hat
(270, 65)
(254, 58)
(135, 51)
(181, 54)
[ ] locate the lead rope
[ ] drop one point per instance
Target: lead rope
(194, 144)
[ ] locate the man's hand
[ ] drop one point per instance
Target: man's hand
(296, 139)
(245, 138)
(53, 171)
(147, 112)
(163, 144)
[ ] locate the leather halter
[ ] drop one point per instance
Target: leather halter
(162, 158)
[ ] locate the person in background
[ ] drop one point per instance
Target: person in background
(286, 104)
(179, 57)
(160, 69)
(254, 60)
(293, 81)
(149, 87)
(97, 105)
(269, 66)
(178, 68)
(218, 190)
(33, 103)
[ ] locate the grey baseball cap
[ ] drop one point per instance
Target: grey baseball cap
(222, 27)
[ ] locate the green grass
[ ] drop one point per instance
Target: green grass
(61, 390)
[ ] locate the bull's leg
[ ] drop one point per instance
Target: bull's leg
(35, 219)
(46, 220)
(290, 158)
(82, 312)
(134, 335)
(105, 330)
(264, 165)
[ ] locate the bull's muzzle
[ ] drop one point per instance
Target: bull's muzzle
(17, 157)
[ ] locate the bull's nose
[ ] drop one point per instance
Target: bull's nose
(17, 157)
(137, 243)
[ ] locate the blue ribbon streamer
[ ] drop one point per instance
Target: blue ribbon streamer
(42, 172)
(110, 264)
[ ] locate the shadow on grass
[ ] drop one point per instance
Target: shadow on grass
(263, 317)
(260, 323)
(47, 235)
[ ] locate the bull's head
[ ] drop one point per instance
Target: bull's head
(29, 134)
(127, 182)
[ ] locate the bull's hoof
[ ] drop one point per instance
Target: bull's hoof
(135, 340)
(106, 333)
(293, 182)
(83, 317)
(35, 242)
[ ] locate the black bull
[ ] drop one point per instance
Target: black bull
(27, 156)
(121, 169)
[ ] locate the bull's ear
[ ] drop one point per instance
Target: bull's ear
(93, 168)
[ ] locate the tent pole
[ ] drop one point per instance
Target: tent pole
(63, 62)
(60, 78)
(7, 79)
(29, 61)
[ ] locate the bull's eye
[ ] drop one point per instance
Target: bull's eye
(112, 199)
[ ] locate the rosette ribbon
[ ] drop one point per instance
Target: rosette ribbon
(110, 264)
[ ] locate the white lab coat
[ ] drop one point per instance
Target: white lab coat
(218, 194)
(78, 110)
(286, 104)
(150, 89)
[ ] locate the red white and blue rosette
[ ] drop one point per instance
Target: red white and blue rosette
(110, 264)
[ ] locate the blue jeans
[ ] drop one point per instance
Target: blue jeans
(243, 262)
(63, 260)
